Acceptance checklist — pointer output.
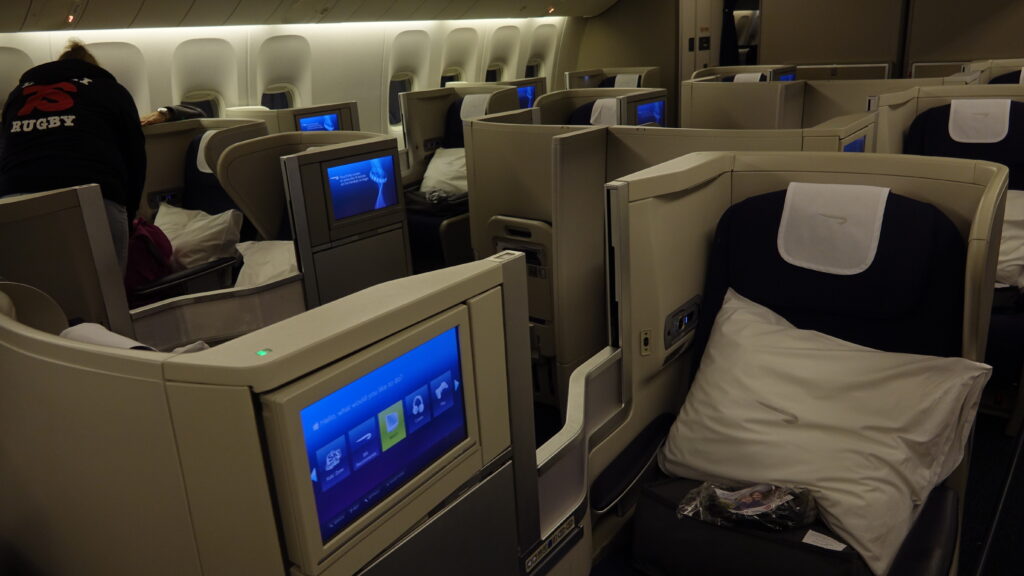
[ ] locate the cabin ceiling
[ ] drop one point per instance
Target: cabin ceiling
(46, 15)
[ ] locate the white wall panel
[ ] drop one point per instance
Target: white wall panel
(543, 46)
(461, 51)
(339, 76)
(206, 64)
(285, 59)
(503, 49)
(13, 63)
(126, 62)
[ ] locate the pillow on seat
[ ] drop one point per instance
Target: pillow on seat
(197, 237)
(1010, 269)
(445, 178)
(870, 433)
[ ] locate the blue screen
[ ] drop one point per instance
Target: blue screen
(856, 146)
(787, 77)
(651, 112)
(372, 436)
(362, 186)
(328, 122)
(526, 95)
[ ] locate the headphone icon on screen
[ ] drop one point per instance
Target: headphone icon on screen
(417, 405)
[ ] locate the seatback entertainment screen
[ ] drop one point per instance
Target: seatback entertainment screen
(367, 439)
(527, 94)
(362, 186)
(651, 113)
(323, 122)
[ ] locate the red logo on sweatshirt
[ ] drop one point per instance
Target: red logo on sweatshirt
(48, 98)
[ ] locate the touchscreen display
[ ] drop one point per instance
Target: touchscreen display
(362, 186)
(651, 113)
(328, 122)
(367, 439)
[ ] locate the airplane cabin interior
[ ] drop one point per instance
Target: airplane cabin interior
(531, 288)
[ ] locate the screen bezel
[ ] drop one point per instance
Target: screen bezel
(337, 114)
(423, 492)
(633, 104)
(399, 205)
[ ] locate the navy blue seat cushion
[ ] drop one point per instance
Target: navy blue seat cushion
(1008, 78)
(909, 300)
(203, 192)
(453, 131)
(607, 82)
(665, 545)
(581, 115)
(929, 136)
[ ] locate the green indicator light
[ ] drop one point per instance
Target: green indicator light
(263, 352)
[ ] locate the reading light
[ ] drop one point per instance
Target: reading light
(551, 9)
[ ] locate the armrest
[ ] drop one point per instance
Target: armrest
(168, 285)
(613, 483)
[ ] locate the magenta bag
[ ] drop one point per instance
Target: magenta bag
(149, 255)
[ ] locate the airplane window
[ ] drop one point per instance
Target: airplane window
(532, 69)
(278, 98)
(493, 73)
(399, 83)
(450, 75)
(209, 107)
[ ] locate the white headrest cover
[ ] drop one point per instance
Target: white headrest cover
(627, 80)
(1021, 79)
(474, 106)
(605, 112)
(201, 162)
(831, 228)
(978, 121)
(748, 77)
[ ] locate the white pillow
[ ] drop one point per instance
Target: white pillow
(445, 177)
(197, 237)
(870, 433)
(1010, 269)
(266, 262)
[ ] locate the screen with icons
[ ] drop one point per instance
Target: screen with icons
(370, 437)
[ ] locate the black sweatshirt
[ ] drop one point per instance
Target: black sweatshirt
(68, 123)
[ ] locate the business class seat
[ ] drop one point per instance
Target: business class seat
(196, 189)
(891, 306)
(66, 252)
(614, 77)
(931, 134)
(437, 193)
(252, 174)
(662, 223)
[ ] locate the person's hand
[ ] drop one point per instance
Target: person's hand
(154, 118)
